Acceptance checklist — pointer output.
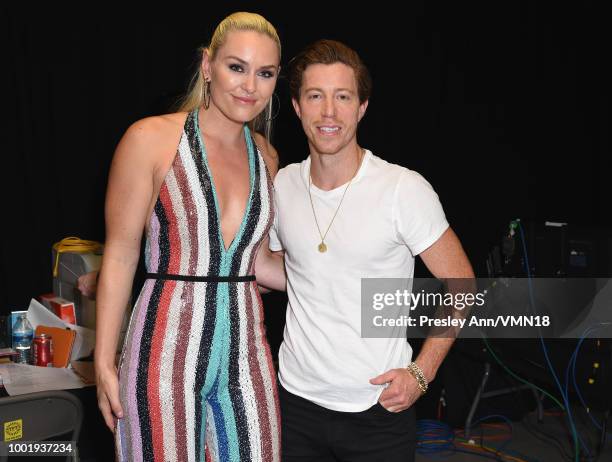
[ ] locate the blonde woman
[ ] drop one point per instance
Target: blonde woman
(195, 378)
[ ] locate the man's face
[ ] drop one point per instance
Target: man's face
(329, 107)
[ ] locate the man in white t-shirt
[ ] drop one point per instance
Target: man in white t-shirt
(344, 214)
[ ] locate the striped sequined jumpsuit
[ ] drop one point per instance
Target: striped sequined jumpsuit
(196, 376)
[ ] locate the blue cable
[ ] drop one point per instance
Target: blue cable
(427, 430)
(566, 391)
(572, 363)
(545, 349)
(444, 445)
(496, 416)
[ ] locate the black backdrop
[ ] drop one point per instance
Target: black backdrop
(503, 107)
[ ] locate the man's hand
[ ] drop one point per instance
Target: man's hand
(402, 391)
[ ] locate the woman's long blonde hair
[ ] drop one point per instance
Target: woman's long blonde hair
(240, 21)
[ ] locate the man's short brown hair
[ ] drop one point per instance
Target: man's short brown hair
(329, 52)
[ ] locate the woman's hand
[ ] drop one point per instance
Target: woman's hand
(108, 396)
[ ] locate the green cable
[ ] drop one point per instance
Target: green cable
(519, 378)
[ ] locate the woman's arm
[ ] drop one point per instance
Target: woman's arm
(129, 194)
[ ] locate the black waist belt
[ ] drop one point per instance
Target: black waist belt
(188, 278)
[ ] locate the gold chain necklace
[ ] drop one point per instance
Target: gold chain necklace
(322, 247)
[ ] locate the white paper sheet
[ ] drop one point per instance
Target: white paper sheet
(38, 315)
(85, 339)
(20, 379)
(83, 343)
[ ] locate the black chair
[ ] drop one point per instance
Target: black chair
(44, 415)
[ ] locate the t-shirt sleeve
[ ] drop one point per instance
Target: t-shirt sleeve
(274, 243)
(418, 215)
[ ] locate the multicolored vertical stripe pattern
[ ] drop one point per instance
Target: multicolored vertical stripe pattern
(196, 376)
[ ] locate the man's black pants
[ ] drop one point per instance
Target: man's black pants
(314, 433)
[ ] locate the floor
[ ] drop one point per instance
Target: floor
(527, 441)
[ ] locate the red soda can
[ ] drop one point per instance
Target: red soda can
(42, 351)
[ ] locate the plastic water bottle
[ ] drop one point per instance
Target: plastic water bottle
(22, 339)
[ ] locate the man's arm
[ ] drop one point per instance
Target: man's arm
(445, 259)
(269, 265)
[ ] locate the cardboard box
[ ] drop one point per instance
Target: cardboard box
(63, 308)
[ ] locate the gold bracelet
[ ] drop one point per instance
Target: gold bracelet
(418, 375)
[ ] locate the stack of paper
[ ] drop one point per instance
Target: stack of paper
(20, 379)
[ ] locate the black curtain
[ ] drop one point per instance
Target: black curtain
(503, 107)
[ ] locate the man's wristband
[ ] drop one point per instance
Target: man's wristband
(418, 375)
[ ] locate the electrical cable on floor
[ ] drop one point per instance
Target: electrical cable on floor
(526, 382)
(572, 365)
(437, 439)
(545, 349)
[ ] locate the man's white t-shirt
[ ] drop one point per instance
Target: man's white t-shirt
(389, 214)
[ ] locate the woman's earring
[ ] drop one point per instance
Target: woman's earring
(206, 94)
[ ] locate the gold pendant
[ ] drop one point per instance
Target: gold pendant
(322, 247)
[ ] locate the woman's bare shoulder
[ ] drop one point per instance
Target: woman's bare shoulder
(157, 128)
(153, 137)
